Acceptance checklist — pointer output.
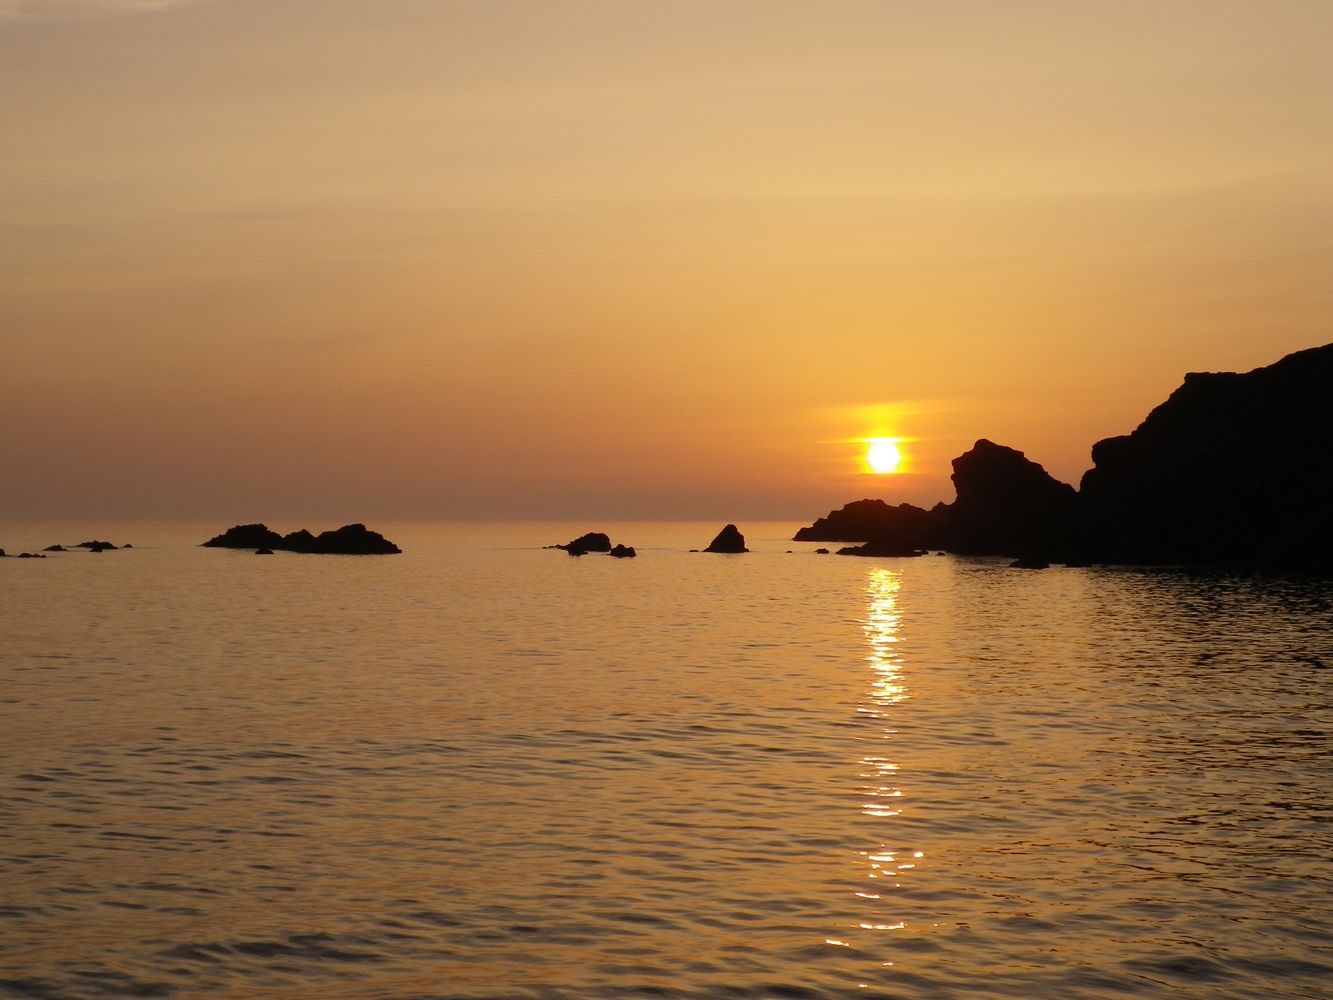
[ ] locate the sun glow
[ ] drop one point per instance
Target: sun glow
(883, 455)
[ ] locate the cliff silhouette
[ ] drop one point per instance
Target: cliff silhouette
(1225, 472)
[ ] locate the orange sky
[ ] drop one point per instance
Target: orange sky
(417, 258)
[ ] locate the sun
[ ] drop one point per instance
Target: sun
(883, 455)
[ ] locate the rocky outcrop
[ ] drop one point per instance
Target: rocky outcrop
(246, 536)
(298, 541)
(96, 546)
(593, 541)
(728, 540)
(1007, 505)
(596, 541)
(1229, 470)
(349, 540)
(867, 520)
(881, 547)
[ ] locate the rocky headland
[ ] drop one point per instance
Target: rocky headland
(349, 540)
(1225, 472)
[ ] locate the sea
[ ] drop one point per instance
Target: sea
(483, 769)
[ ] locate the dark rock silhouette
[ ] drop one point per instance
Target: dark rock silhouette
(881, 547)
(728, 540)
(32, 555)
(354, 540)
(246, 536)
(349, 540)
(299, 541)
(864, 520)
(56, 548)
(1007, 505)
(593, 541)
(624, 552)
(1227, 471)
(821, 552)
(263, 552)
(96, 546)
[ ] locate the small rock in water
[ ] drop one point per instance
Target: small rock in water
(729, 540)
(623, 552)
(593, 541)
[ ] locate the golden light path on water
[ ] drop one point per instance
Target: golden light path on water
(882, 796)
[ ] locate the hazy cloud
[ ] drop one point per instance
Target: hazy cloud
(33, 10)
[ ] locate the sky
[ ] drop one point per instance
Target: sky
(360, 259)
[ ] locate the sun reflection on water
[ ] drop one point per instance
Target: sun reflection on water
(881, 796)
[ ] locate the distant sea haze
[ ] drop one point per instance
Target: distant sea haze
(484, 769)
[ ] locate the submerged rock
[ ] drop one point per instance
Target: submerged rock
(728, 540)
(57, 548)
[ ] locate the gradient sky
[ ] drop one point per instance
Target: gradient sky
(320, 259)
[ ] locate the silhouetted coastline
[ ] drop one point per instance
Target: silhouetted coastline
(1225, 472)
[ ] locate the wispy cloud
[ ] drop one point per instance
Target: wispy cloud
(41, 10)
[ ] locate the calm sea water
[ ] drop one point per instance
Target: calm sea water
(484, 770)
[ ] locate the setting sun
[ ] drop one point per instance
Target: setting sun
(883, 455)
